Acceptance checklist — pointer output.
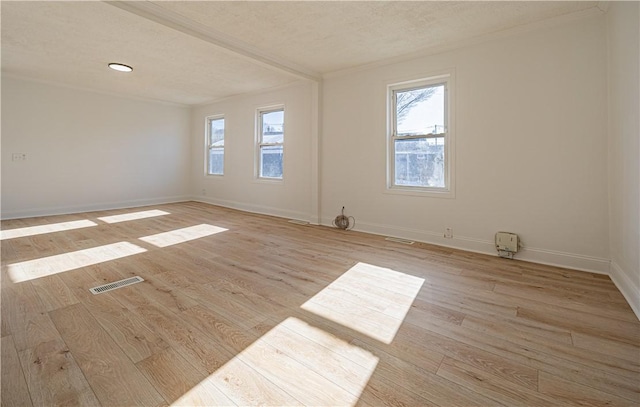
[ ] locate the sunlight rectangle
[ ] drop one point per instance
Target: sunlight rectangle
(292, 364)
(133, 216)
(46, 266)
(42, 229)
(369, 299)
(182, 235)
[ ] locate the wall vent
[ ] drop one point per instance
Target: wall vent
(117, 284)
(399, 240)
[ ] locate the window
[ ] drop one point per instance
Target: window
(419, 136)
(215, 144)
(270, 142)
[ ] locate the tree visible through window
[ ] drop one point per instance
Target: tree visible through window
(215, 141)
(419, 119)
(270, 143)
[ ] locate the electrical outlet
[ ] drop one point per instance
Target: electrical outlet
(448, 233)
(204, 191)
(18, 157)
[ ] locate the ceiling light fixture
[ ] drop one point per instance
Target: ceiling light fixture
(120, 67)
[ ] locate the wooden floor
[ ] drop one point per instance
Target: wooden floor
(243, 309)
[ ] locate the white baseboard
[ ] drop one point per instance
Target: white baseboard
(535, 255)
(103, 206)
(628, 286)
(248, 207)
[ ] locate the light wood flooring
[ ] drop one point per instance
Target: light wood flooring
(244, 309)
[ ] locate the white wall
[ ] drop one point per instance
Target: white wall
(238, 187)
(623, 20)
(88, 151)
(531, 147)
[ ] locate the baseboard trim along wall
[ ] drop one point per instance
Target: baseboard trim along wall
(629, 288)
(66, 210)
(259, 209)
(535, 255)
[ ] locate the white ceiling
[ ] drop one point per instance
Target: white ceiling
(193, 52)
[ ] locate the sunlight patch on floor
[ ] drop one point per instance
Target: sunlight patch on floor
(42, 229)
(46, 266)
(369, 299)
(182, 235)
(292, 364)
(133, 216)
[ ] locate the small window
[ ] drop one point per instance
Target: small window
(215, 143)
(419, 139)
(270, 143)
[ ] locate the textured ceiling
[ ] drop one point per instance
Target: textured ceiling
(195, 52)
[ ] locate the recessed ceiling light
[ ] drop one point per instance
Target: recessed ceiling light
(120, 67)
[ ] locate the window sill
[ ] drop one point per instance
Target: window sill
(423, 192)
(273, 181)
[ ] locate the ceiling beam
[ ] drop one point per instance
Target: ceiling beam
(161, 15)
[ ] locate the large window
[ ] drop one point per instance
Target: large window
(270, 142)
(215, 144)
(419, 139)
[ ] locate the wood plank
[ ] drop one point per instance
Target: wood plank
(518, 327)
(227, 333)
(579, 303)
(25, 316)
(575, 393)
(13, 389)
(494, 387)
(291, 338)
(113, 377)
(583, 322)
(171, 375)
(603, 361)
(624, 383)
(610, 347)
(53, 292)
(225, 304)
(198, 348)
(54, 377)
(427, 385)
(302, 383)
(246, 387)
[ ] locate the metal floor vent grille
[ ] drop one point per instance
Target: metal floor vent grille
(117, 284)
(298, 222)
(398, 240)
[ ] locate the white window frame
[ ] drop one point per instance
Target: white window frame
(209, 145)
(448, 191)
(260, 144)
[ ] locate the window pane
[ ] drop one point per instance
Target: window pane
(420, 111)
(271, 161)
(420, 162)
(217, 132)
(216, 161)
(273, 127)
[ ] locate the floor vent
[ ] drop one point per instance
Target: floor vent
(298, 222)
(112, 286)
(398, 240)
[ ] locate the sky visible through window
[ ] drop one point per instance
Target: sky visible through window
(426, 116)
(272, 127)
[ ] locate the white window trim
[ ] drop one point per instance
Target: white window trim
(259, 144)
(448, 191)
(208, 146)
